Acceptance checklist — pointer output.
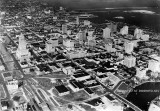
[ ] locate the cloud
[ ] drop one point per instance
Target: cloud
(105, 3)
(141, 11)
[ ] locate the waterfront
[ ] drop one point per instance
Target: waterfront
(146, 93)
(143, 20)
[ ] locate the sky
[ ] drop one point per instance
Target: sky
(87, 4)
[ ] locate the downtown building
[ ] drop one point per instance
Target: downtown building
(77, 20)
(129, 61)
(138, 33)
(113, 27)
(145, 37)
(22, 52)
(64, 29)
(128, 47)
(154, 64)
(124, 30)
(69, 44)
(106, 33)
(82, 36)
(51, 45)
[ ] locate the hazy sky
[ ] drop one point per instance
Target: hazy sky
(106, 3)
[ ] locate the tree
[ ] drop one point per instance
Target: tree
(148, 73)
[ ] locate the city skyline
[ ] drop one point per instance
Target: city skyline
(58, 55)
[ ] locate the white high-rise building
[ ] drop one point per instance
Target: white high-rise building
(77, 20)
(106, 33)
(22, 52)
(64, 29)
(51, 45)
(124, 30)
(138, 33)
(128, 47)
(129, 61)
(1, 18)
(154, 64)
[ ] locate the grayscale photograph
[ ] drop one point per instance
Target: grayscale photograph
(79, 55)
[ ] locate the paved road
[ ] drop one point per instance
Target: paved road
(2, 80)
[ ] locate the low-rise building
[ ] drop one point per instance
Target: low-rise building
(7, 76)
(12, 86)
(145, 37)
(68, 43)
(73, 86)
(62, 90)
(89, 91)
(81, 77)
(76, 54)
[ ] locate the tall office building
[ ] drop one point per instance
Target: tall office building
(128, 47)
(124, 30)
(138, 33)
(51, 45)
(64, 29)
(22, 52)
(1, 14)
(82, 35)
(129, 61)
(113, 27)
(154, 64)
(106, 33)
(77, 20)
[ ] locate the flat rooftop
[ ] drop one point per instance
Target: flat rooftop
(7, 74)
(61, 89)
